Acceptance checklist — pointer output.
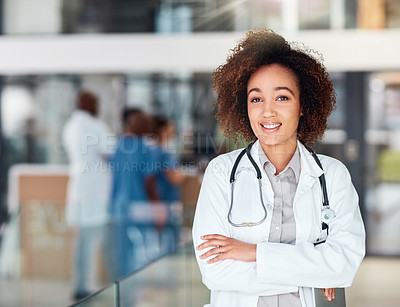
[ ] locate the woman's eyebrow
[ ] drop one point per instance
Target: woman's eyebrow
(256, 89)
(284, 88)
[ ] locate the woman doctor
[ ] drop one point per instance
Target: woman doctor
(279, 96)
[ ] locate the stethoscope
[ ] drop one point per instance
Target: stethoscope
(327, 214)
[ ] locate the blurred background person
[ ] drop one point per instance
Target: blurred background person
(134, 187)
(168, 181)
(86, 139)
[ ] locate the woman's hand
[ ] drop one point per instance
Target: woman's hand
(330, 294)
(227, 248)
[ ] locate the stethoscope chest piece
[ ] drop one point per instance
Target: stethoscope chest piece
(327, 215)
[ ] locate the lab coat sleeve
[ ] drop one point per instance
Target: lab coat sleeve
(108, 141)
(211, 218)
(328, 265)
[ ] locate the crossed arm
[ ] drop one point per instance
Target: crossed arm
(223, 247)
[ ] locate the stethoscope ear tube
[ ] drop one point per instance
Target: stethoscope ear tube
(233, 172)
(252, 161)
(321, 179)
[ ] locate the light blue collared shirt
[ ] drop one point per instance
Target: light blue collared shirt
(283, 225)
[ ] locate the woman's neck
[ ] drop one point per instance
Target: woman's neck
(279, 156)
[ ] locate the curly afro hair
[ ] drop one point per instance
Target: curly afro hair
(265, 47)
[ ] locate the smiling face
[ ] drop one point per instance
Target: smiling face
(273, 106)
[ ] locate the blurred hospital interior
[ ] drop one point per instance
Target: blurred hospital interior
(158, 56)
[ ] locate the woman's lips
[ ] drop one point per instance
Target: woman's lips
(270, 127)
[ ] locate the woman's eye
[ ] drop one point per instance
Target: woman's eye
(255, 100)
(282, 98)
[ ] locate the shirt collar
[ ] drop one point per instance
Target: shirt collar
(294, 163)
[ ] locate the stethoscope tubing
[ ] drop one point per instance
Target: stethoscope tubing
(325, 201)
(247, 224)
(232, 180)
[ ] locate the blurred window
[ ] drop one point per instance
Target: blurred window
(393, 13)
(336, 134)
(183, 16)
(383, 164)
(337, 118)
(174, 19)
(21, 16)
(314, 14)
(258, 13)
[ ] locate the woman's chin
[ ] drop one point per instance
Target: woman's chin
(275, 142)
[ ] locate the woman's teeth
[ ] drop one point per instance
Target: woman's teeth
(270, 126)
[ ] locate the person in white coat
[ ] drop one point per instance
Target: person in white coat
(265, 242)
(88, 142)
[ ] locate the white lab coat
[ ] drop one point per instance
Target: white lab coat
(279, 268)
(87, 141)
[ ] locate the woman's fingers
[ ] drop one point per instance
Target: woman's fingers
(214, 237)
(226, 248)
(212, 240)
(211, 252)
(329, 294)
(210, 243)
(217, 258)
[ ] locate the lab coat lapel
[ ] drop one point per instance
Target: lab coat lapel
(308, 197)
(310, 172)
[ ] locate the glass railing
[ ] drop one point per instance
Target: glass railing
(106, 297)
(173, 280)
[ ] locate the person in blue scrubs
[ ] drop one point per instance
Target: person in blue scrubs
(168, 181)
(133, 169)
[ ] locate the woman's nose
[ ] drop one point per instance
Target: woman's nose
(269, 108)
